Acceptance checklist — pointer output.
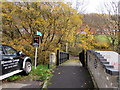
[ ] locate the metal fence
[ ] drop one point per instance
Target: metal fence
(62, 57)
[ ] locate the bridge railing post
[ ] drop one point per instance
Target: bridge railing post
(82, 58)
(58, 57)
(62, 57)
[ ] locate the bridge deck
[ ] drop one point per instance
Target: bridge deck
(71, 74)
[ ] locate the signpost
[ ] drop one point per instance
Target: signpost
(35, 57)
(36, 43)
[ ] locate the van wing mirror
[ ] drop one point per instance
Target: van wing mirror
(19, 52)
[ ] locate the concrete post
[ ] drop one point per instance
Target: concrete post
(52, 59)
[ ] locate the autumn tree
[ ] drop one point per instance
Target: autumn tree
(55, 20)
(111, 8)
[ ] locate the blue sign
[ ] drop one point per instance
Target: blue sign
(39, 33)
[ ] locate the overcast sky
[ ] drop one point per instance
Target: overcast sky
(92, 6)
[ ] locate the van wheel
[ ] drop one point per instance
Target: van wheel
(28, 68)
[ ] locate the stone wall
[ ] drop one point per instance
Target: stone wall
(104, 74)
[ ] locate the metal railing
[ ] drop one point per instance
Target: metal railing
(62, 57)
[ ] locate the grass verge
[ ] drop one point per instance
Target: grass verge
(40, 73)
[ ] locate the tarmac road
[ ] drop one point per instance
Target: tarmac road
(71, 74)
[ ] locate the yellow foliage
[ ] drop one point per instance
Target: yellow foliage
(56, 21)
(102, 44)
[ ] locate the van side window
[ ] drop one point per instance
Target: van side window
(1, 51)
(10, 51)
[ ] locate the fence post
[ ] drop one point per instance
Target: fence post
(68, 56)
(58, 57)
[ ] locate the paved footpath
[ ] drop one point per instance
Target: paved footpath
(71, 74)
